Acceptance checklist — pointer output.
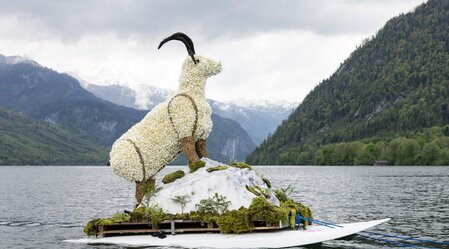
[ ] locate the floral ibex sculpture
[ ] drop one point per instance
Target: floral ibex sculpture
(181, 123)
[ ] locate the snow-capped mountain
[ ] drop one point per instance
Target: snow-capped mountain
(11, 60)
(144, 98)
(259, 118)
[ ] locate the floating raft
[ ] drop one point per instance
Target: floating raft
(276, 239)
(176, 227)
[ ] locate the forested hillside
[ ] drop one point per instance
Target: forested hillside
(26, 141)
(380, 104)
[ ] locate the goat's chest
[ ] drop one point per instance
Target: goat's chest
(204, 112)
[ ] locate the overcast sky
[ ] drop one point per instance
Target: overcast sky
(275, 49)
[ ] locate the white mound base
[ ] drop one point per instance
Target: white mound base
(313, 234)
(202, 185)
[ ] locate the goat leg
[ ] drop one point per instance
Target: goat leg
(188, 148)
(140, 187)
(201, 149)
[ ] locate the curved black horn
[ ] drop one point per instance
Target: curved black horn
(184, 39)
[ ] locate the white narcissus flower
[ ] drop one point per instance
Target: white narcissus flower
(156, 136)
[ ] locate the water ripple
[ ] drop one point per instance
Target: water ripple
(57, 201)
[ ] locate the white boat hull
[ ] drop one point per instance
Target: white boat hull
(279, 239)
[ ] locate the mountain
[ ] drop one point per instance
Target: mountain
(145, 98)
(388, 101)
(258, 118)
(24, 140)
(43, 94)
(47, 95)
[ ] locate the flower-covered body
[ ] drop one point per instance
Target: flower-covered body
(155, 141)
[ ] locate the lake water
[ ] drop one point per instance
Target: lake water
(40, 207)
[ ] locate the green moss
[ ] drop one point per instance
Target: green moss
(217, 168)
(169, 178)
(261, 209)
(154, 214)
(194, 166)
(304, 211)
(265, 192)
(253, 190)
(292, 218)
(258, 191)
(240, 165)
(267, 182)
(204, 217)
(235, 221)
(91, 228)
(120, 217)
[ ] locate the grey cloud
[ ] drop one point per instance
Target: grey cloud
(73, 19)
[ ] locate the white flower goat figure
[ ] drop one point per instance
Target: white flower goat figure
(182, 123)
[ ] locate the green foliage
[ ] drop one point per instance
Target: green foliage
(194, 166)
(217, 204)
(235, 221)
(394, 86)
(150, 190)
(24, 141)
(214, 210)
(253, 190)
(154, 214)
(182, 200)
(217, 168)
(425, 147)
(169, 178)
(267, 182)
(261, 209)
(258, 191)
(204, 217)
(240, 165)
(92, 227)
(120, 217)
(304, 211)
(283, 193)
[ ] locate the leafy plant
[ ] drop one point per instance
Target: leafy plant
(182, 200)
(283, 193)
(150, 190)
(216, 204)
(152, 213)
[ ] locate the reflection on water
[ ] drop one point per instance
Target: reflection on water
(42, 206)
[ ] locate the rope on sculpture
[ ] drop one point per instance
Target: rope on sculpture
(194, 107)
(140, 156)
